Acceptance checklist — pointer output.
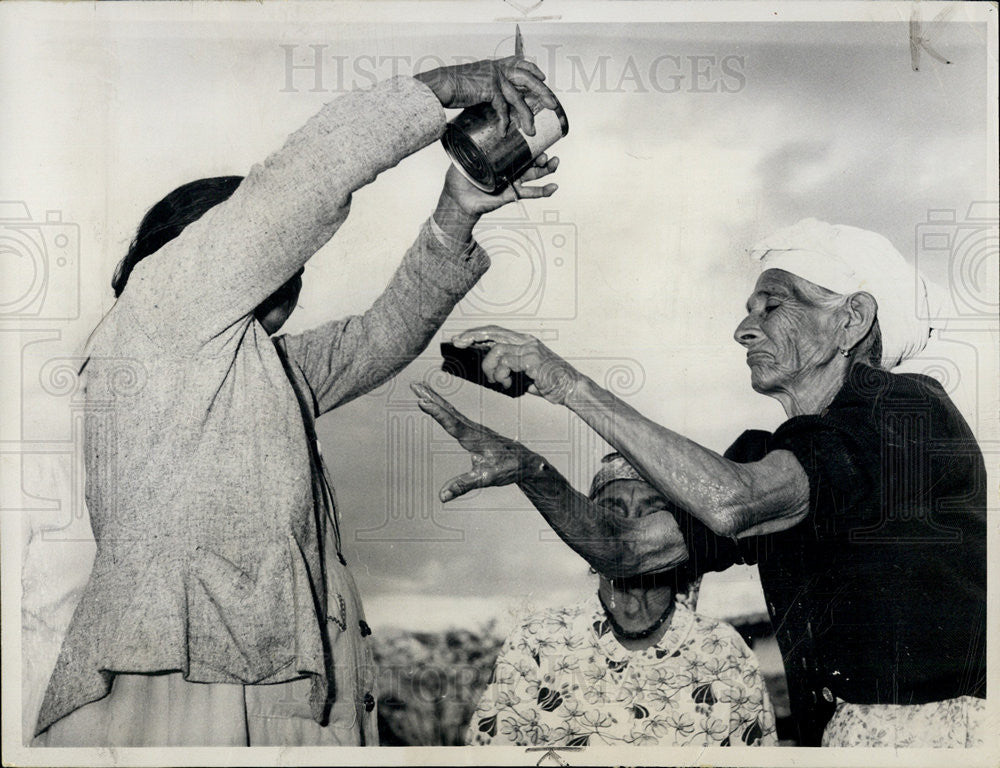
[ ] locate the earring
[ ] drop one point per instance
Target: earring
(845, 352)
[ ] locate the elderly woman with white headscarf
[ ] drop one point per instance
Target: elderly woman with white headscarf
(865, 510)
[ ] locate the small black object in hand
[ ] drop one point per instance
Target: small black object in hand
(467, 363)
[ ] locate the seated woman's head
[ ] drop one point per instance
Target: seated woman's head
(637, 603)
(830, 297)
(617, 486)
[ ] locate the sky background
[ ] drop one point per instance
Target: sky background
(636, 270)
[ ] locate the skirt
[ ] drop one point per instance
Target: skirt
(164, 710)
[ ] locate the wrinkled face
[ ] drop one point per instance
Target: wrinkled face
(637, 597)
(786, 337)
(276, 308)
(630, 498)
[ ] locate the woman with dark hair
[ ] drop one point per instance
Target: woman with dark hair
(168, 218)
(220, 610)
(865, 511)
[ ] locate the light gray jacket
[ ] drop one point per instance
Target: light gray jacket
(215, 528)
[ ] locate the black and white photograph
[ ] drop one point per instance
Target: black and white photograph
(499, 383)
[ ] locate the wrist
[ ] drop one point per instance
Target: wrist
(581, 393)
(533, 467)
(438, 84)
(453, 220)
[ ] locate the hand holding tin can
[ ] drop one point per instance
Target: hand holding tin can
(503, 83)
(492, 158)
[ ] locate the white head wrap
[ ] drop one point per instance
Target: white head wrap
(846, 260)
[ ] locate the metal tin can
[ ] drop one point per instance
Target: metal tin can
(492, 160)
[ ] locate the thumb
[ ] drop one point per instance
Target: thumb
(461, 485)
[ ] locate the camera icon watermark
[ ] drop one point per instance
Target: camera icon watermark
(411, 510)
(970, 247)
(534, 273)
(40, 262)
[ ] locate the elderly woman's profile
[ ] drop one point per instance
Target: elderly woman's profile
(865, 510)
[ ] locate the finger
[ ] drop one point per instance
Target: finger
(502, 110)
(502, 375)
(530, 67)
(510, 194)
(525, 120)
(469, 435)
(527, 81)
(462, 484)
(509, 359)
(431, 403)
(543, 161)
(531, 193)
(492, 361)
(533, 173)
(426, 392)
(489, 333)
(442, 417)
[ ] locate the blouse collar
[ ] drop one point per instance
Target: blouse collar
(678, 627)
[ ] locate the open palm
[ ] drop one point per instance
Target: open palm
(473, 201)
(496, 460)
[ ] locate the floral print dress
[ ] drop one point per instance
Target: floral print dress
(562, 679)
(958, 722)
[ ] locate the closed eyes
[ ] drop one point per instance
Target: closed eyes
(615, 506)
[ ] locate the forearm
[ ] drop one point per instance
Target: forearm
(365, 351)
(731, 499)
(615, 546)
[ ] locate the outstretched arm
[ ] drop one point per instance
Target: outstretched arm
(615, 546)
(732, 499)
(222, 266)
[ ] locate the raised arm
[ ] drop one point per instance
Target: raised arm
(731, 499)
(223, 265)
(228, 261)
(613, 545)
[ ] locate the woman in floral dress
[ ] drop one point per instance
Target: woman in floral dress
(631, 665)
